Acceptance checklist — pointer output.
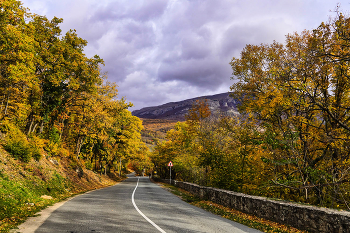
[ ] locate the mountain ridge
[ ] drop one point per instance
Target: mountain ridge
(177, 110)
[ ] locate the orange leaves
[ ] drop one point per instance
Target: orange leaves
(199, 111)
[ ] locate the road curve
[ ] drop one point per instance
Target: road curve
(134, 205)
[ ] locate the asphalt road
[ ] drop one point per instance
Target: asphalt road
(134, 205)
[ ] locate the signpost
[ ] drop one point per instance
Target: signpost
(120, 166)
(170, 164)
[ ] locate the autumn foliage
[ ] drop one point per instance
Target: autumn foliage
(291, 140)
(58, 98)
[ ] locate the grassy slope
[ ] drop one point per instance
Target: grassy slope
(26, 188)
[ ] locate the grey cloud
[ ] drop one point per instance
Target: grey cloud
(194, 14)
(167, 50)
(237, 36)
(105, 14)
(203, 73)
(194, 48)
(139, 10)
(149, 9)
(139, 35)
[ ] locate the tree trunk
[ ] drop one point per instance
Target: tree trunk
(95, 161)
(41, 127)
(62, 129)
(29, 128)
(7, 103)
(306, 195)
(2, 102)
(80, 142)
(33, 130)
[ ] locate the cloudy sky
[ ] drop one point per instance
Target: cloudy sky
(158, 51)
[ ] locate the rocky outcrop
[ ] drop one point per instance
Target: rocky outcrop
(177, 110)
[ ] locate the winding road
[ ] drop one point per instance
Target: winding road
(134, 205)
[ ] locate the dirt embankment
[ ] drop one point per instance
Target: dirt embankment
(26, 188)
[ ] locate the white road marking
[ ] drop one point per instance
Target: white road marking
(144, 216)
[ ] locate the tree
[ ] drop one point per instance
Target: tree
(51, 91)
(199, 111)
(16, 60)
(298, 92)
(48, 64)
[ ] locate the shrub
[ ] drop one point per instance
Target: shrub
(88, 165)
(54, 135)
(36, 153)
(57, 185)
(22, 151)
(18, 149)
(5, 127)
(63, 152)
(17, 145)
(36, 145)
(52, 149)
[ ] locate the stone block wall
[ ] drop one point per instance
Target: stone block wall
(303, 217)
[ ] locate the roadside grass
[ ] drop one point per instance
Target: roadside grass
(231, 214)
(27, 188)
(22, 199)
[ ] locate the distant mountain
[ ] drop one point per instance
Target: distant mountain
(177, 110)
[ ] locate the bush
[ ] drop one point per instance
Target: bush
(22, 151)
(54, 135)
(36, 145)
(57, 185)
(52, 149)
(17, 145)
(88, 165)
(35, 153)
(19, 150)
(5, 127)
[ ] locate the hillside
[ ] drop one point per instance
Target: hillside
(154, 130)
(28, 187)
(177, 110)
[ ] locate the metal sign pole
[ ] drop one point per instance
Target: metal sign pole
(170, 164)
(120, 166)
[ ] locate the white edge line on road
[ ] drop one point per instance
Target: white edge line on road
(144, 216)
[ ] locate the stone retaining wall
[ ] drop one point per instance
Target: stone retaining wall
(303, 217)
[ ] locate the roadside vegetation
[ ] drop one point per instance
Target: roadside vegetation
(28, 187)
(63, 129)
(53, 95)
(291, 139)
(231, 214)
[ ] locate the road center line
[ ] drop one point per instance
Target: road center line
(144, 216)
